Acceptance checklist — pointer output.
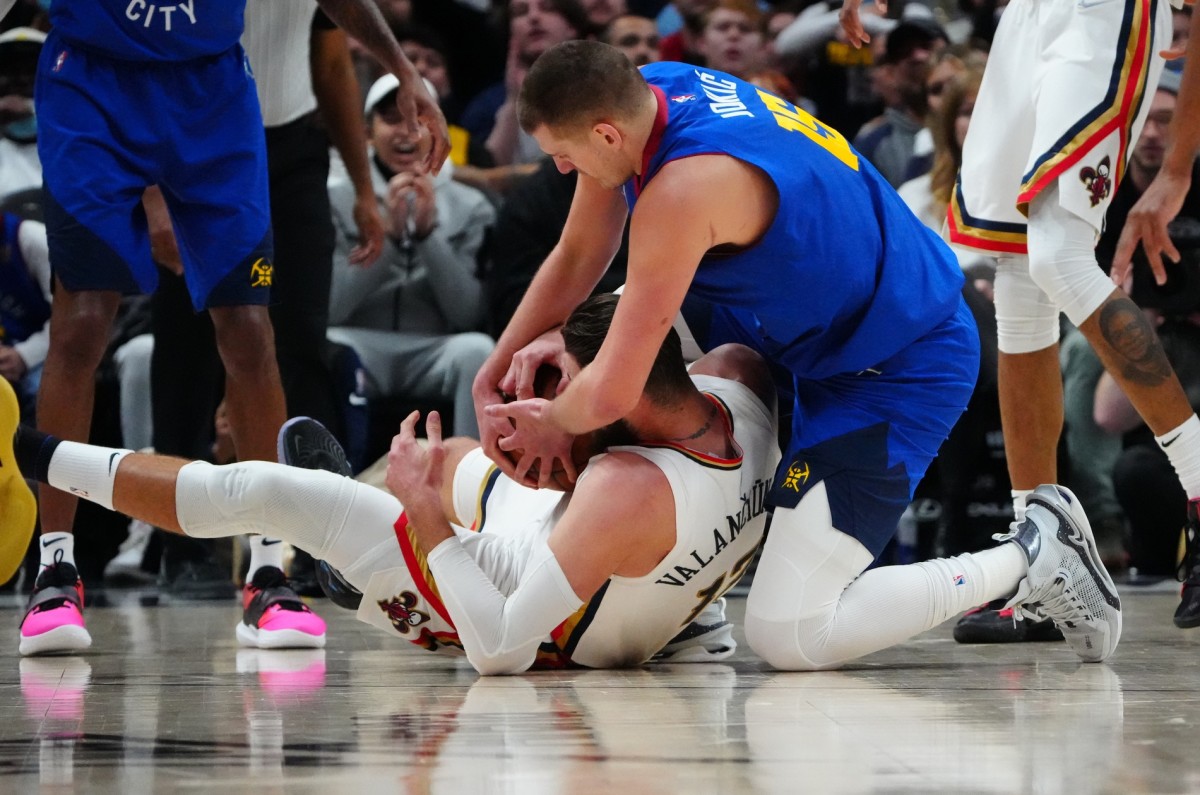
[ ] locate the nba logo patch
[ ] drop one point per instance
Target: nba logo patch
(59, 61)
(684, 98)
(960, 579)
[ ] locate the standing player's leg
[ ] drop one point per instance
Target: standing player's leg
(216, 187)
(1128, 346)
(92, 145)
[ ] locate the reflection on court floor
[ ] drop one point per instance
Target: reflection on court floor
(165, 701)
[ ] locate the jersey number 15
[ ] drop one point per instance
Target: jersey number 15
(789, 117)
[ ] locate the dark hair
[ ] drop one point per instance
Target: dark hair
(423, 36)
(578, 83)
(911, 35)
(584, 333)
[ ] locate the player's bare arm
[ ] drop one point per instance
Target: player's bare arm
(1147, 221)
(679, 217)
(363, 20)
(336, 88)
(587, 245)
(599, 537)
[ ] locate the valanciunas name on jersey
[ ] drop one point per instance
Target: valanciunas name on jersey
(753, 505)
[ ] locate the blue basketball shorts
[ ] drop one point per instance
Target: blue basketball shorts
(871, 436)
(108, 128)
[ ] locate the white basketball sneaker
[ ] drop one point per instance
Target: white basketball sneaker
(1066, 582)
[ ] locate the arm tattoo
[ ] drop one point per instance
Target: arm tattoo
(1134, 342)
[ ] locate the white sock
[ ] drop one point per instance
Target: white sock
(85, 470)
(1182, 446)
(57, 548)
(264, 551)
(1018, 498)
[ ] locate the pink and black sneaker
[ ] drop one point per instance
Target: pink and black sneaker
(274, 617)
(54, 619)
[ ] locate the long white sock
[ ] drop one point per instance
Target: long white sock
(332, 518)
(812, 606)
(1182, 446)
(264, 551)
(85, 470)
(57, 547)
(1018, 498)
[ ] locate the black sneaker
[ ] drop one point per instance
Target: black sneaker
(1187, 615)
(306, 443)
(336, 587)
(995, 623)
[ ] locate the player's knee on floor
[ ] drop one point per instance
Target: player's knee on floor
(785, 646)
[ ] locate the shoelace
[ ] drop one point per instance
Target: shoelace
(1065, 606)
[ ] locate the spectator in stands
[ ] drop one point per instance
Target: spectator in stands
(929, 194)
(948, 64)
(732, 39)
(413, 317)
(534, 26)
(837, 76)
(474, 164)
(1110, 470)
(20, 168)
(888, 142)
(601, 13)
(635, 36)
(680, 24)
(24, 308)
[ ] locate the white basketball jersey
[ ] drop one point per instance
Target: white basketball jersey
(720, 517)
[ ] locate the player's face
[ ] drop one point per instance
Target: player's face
(386, 136)
(589, 153)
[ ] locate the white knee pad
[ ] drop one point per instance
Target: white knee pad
(1026, 318)
(1062, 258)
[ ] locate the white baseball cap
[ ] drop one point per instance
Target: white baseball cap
(384, 86)
(31, 35)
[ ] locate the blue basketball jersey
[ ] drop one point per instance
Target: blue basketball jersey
(846, 276)
(150, 30)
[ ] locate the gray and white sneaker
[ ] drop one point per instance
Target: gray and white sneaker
(707, 639)
(1067, 582)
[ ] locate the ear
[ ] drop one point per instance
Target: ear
(610, 134)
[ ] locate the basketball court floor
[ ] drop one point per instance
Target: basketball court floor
(165, 701)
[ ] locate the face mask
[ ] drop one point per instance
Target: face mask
(1175, 65)
(23, 131)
